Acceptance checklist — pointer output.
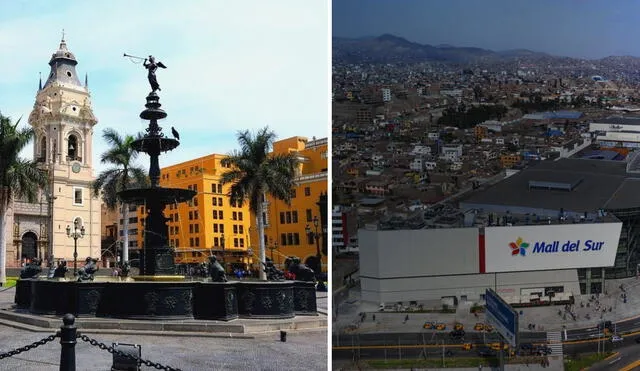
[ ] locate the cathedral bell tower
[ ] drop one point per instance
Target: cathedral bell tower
(63, 121)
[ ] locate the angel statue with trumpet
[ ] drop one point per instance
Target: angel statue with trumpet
(151, 65)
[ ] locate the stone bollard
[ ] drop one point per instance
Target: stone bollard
(283, 336)
(68, 341)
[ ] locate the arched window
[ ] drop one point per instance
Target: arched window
(72, 149)
(43, 149)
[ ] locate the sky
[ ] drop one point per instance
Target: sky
(231, 65)
(573, 28)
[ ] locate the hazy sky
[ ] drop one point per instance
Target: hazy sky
(575, 28)
(232, 65)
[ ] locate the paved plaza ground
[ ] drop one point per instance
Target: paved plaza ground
(305, 349)
(545, 318)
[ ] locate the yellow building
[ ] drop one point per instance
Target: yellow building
(509, 160)
(285, 233)
(208, 224)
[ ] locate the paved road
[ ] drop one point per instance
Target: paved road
(383, 345)
(628, 354)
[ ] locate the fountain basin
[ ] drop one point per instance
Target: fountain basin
(168, 300)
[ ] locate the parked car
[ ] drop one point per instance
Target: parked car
(486, 352)
(616, 338)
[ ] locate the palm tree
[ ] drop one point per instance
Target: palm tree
(123, 174)
(255, 173)
(18, 177)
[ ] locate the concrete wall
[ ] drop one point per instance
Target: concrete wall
(422, 252)
(429, 288)
(427, 264)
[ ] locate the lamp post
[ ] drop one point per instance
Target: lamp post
(75, 235)
(316, 237)
(273, 246)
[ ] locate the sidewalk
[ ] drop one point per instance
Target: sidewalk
(545, 318)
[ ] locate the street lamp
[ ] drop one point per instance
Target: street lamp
(273, 246)
(75, 235)
(316, 236)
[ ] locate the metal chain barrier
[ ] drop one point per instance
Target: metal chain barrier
(109, 349)
(28, 347)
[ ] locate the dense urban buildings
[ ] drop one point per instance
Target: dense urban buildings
(533, 140)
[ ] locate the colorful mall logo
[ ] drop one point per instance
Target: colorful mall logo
(519, 247)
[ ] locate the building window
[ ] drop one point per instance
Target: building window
(215, 228)
(219, 188)
(283, 239)
(177, 232)
(195, 215)
(235, 229)
(296, 238)
(293, 193)
(191, 242)
(240, 229)
(177, 242)
(307, 191)
(242, 242)
(289, 238)
(309, 215)
(214, 201)
(288, 214)
(197, 241)
(133, 220)
(282, 217)
(190, 228)
(294, 216)
(235, 242)
(220, 215)
(219, 201)
(234, 216)
(216, 241)
(195, 201)
(215, 214)
(310, 238)
(190, 215)
(239, 215)
(213, 188)
(196, 228)
(77, 196)
(221, 228)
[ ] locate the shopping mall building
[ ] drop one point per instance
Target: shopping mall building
(560, 226)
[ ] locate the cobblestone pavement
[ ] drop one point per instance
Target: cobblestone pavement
(302, 351)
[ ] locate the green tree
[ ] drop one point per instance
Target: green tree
(19, 178)
(255, 173)
(122, 174)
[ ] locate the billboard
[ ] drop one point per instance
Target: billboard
(542, 247)
(502, 317)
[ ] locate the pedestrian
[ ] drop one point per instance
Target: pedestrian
(374, 318)
(406, 318)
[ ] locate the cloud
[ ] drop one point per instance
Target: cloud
(231, 65)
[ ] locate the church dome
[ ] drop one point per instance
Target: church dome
(63, 68)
